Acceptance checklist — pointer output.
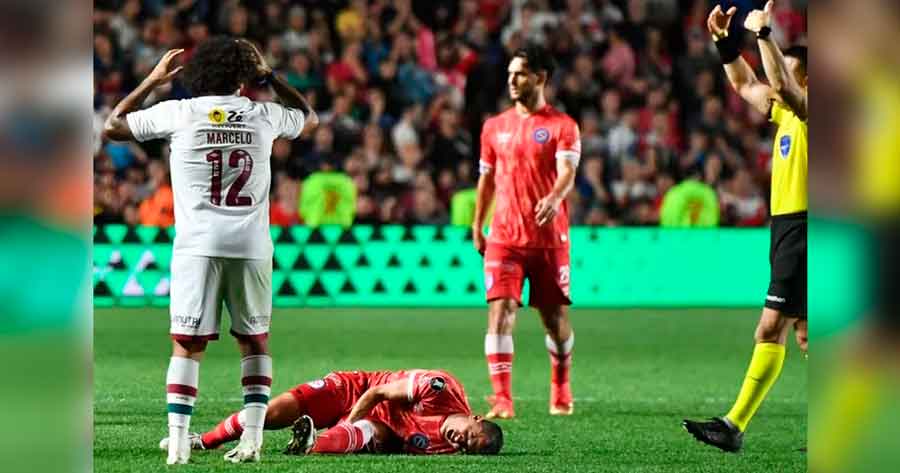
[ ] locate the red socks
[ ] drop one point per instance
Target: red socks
(498, 350)
(228, 430)
(344, 438)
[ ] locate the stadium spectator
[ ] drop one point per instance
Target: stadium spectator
(406, 85)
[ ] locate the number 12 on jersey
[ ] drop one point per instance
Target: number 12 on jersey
(232, 199)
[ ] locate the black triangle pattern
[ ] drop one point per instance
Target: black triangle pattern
(162, 236)
(393, 262)
(348, 237)
(317, 289)
(302, 263)
(285, 237)
(332, 263)
(362, 261)
(100, 236)
(316, 237)
(379, 287)
(131, 236)
(410, 288)
(287, 289)
(102, 290)
(348, 288)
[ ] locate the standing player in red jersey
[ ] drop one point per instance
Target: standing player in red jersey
(410, 411)
(529, 155)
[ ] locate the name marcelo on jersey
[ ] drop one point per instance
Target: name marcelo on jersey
(229, 138)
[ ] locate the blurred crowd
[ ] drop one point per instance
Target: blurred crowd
(403, 88)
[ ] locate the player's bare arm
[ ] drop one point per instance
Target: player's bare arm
(740, 74)
(483, 198)
(116, 127)
(290, 96)
(396, 391)
(782, 81)
(548, 207)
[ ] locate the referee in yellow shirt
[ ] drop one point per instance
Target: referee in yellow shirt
(784, 99)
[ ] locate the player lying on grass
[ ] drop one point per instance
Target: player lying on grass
(410, 411)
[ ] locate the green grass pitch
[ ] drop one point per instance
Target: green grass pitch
(636, 374)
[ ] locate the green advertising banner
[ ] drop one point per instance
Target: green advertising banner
(421, 266)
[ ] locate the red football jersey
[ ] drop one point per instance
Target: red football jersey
(432, 397)
(522, 151)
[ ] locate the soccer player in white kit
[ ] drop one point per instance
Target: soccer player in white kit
(220, 145)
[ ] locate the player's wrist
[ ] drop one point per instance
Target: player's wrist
(729, 49)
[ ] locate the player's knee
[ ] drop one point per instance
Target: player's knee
(188, 348)
(768, 331)
(502, 314)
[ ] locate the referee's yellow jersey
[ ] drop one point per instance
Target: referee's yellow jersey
(789, 161)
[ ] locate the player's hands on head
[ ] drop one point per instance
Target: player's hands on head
(719, 20)
(478, 239)
(166, 70)
(262, 66)
(758, 19)
(547, 209)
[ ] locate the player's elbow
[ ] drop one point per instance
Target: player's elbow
(312, 122)
(113, 130)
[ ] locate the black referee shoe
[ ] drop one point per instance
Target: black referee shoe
(716, 432)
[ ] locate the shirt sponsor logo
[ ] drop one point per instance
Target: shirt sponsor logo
(785, 146)
(541, 135)
(317, 384)
(503, 138)
(419, 441)
(437, 384)
(217, 116)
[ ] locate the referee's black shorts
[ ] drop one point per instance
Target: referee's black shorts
(787, 257)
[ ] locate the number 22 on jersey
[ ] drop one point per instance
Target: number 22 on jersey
(236, 159)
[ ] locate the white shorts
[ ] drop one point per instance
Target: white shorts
(200, 284)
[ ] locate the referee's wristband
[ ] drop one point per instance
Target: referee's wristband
(764, 33)
(729, 50)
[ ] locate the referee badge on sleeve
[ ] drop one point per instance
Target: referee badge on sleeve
(785, 146)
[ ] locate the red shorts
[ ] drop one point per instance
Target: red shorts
(547, 270)
(330, 399)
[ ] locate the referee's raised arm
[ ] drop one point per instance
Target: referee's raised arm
(783, 79)
(740, 74)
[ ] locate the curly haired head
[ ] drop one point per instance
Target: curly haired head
(219, 66)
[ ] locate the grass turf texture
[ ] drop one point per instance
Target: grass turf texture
(636, 374)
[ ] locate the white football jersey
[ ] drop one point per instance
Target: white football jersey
(219, 161)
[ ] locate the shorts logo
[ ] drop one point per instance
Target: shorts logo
(186, 321)
(438, 384)
(541, 135)
(564, 275)
(217, 116)
(257, 321)
(785, 146)
(488, 281)
(419, 441)
(772, 298)
(317, 384)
